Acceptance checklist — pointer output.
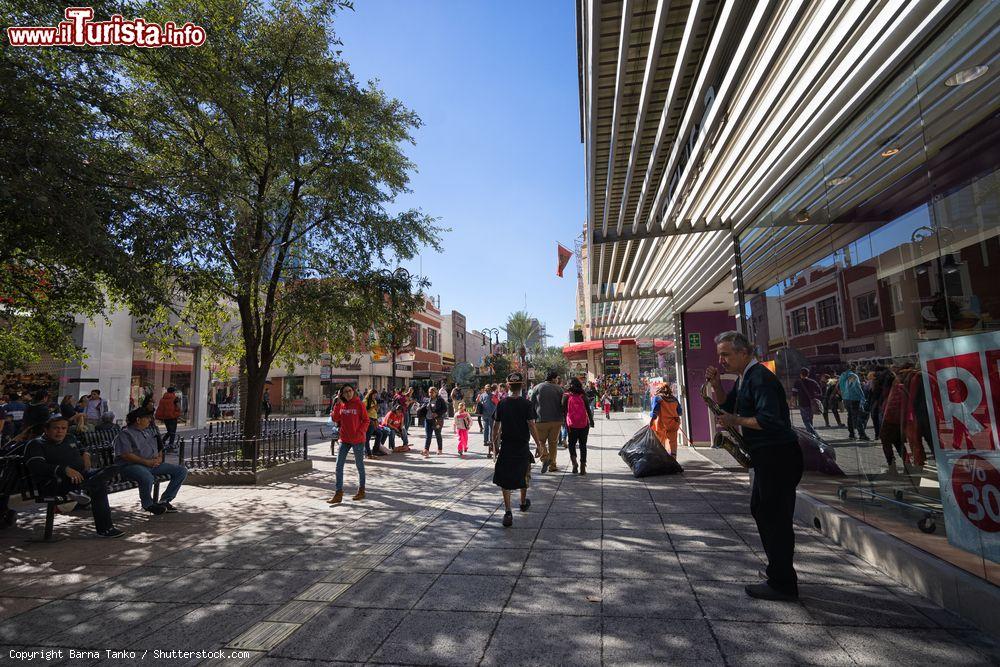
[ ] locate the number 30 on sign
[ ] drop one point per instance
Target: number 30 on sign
(976, 484)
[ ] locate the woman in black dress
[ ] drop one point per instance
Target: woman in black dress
(513, 429)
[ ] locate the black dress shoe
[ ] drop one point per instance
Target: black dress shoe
(526, 504)
(765, 592)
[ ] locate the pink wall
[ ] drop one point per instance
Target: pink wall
(709, 325)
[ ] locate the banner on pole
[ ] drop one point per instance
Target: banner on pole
(564, 255)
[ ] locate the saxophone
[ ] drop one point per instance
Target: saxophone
(728, 438)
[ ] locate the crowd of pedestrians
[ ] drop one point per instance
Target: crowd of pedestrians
(887, 400)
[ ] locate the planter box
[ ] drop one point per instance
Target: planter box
(217, 477)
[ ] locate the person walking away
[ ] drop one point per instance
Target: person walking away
(831, 402)
(168, 411)
(137, 452)
(665, 418)
(434, 414)
(60, 468)
(487, 408)
(854, 400)
(579, 421)
(513, 425)
(891, 422)
(462, 424)
(351, 416)
(371, 409)
(881, 386)
(808, 392)
(606, 402)
(757, 405)
(265, 403)
(547, 399)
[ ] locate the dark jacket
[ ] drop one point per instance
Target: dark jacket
(761, 395)
(47, 461)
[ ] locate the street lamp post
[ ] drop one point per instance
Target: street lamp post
(401, 275)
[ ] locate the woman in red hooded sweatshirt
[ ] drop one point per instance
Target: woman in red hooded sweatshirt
(350, 415)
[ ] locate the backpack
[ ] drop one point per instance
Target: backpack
(576, 412)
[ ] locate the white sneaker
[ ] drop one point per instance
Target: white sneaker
(80, 497)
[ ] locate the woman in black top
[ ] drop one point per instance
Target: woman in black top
(435, 412)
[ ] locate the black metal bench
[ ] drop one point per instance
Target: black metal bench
(96, 443)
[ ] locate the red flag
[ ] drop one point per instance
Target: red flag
(564, 255)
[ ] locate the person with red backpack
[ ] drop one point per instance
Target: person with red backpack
(665, 418)
(168, 411)
(579, 421)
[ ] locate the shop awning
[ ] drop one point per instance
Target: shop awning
(575, 348)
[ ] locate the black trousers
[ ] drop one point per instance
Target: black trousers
(578, 435)
(95, 486)
(777, 471)
(171, 426)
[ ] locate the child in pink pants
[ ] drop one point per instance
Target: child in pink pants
(462, 424)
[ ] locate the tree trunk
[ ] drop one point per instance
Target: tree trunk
(255, 396)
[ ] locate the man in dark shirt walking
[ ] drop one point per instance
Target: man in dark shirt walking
(758, 407)
(514, 425)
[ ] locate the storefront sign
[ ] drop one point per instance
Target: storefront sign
(694, 341)
(962, 389)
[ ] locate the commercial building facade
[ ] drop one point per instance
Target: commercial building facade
(822, 176)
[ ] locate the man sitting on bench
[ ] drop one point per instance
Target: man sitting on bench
(59, 468)
(141, 461)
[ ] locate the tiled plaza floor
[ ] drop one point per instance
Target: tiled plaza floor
(604, 569)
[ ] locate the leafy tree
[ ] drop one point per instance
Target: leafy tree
(280, 168)
(551, 359)
(66, 194)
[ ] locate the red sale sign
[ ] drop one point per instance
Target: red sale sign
(962, 392)
(959, 388)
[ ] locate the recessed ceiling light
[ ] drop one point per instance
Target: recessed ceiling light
(963, 76)
(839, 180)
(890, 151)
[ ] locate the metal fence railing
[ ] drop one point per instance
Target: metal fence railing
(230, 451)
(234, 427)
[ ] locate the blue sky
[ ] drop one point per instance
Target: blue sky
(499, 156)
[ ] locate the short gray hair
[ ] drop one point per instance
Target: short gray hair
(739, 342)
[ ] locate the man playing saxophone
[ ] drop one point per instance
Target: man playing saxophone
(758, 407)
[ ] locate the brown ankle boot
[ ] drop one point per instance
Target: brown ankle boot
(337, 497)
(575, 467)
(360, 495)
(583, 468)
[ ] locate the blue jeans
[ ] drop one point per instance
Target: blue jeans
(144, 477)
(432, 431)
(359, 460)
(487, 428)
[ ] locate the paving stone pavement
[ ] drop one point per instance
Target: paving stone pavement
(603, 569)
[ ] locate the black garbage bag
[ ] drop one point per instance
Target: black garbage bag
(646, 457)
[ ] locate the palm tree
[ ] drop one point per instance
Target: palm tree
(520, 327)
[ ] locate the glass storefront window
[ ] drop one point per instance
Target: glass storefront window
(153, 373)
(874, 272)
